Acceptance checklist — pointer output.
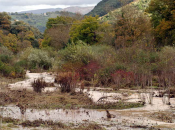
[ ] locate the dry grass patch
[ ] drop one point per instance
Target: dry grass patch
(164, 116)
(5, 81)
(45, 100)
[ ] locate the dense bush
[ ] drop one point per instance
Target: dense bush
(7, 70)
(86, 60)
(5, 58)
(75, 56)
(81, 52)
(123, 78)
(39, 58)
(88, 71)
(8, 67)
(19, 71)
(68, 81)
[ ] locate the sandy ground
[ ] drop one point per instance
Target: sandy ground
(123, 118)
(30, 77)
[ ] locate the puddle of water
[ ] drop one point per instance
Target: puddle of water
(61, 115)
(85, 115)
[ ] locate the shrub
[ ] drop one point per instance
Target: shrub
(104, 55)
(123, 78)
(133, 55)
(19, 71)
(81, 53)
(5, 58)
(83, 58)
(7, 70)
(38, 85)
(104, 74)
(39, 58)
(74, 57)
(68, 81)
(21, 63)
(88, 71)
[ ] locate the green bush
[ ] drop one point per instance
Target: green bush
(133, 55)
(104, 74)
(39, 58)
(81, 52)
(19, 71)
(21, 63)
(6, 70)
(104, 54)
(5, 58)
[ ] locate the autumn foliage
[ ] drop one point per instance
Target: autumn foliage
(123, 78)
(68, 81)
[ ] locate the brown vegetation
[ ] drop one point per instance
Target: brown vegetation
(46, 100)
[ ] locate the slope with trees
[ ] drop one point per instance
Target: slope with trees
(139, 5)
(39, 20)
(105, 6)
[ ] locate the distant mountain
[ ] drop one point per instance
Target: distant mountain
(73, 9)
(76, 9)
(105, 6)
(41, 11)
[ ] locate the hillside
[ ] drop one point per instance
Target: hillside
(38, 20)
(138, 4)
(105, 6)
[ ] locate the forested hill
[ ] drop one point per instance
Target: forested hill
(106, 6)
(139, 5)
(38, 20)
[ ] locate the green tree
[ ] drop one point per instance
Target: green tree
(59, 20)
(163, 20)
(86, 30)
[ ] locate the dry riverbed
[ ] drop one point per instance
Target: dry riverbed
(52, 110)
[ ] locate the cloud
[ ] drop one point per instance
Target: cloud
(19, 5)
(45, 2)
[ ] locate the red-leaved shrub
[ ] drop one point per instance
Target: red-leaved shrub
(122, 78)
(87, 72)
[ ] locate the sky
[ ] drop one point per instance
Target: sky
(24, 5)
